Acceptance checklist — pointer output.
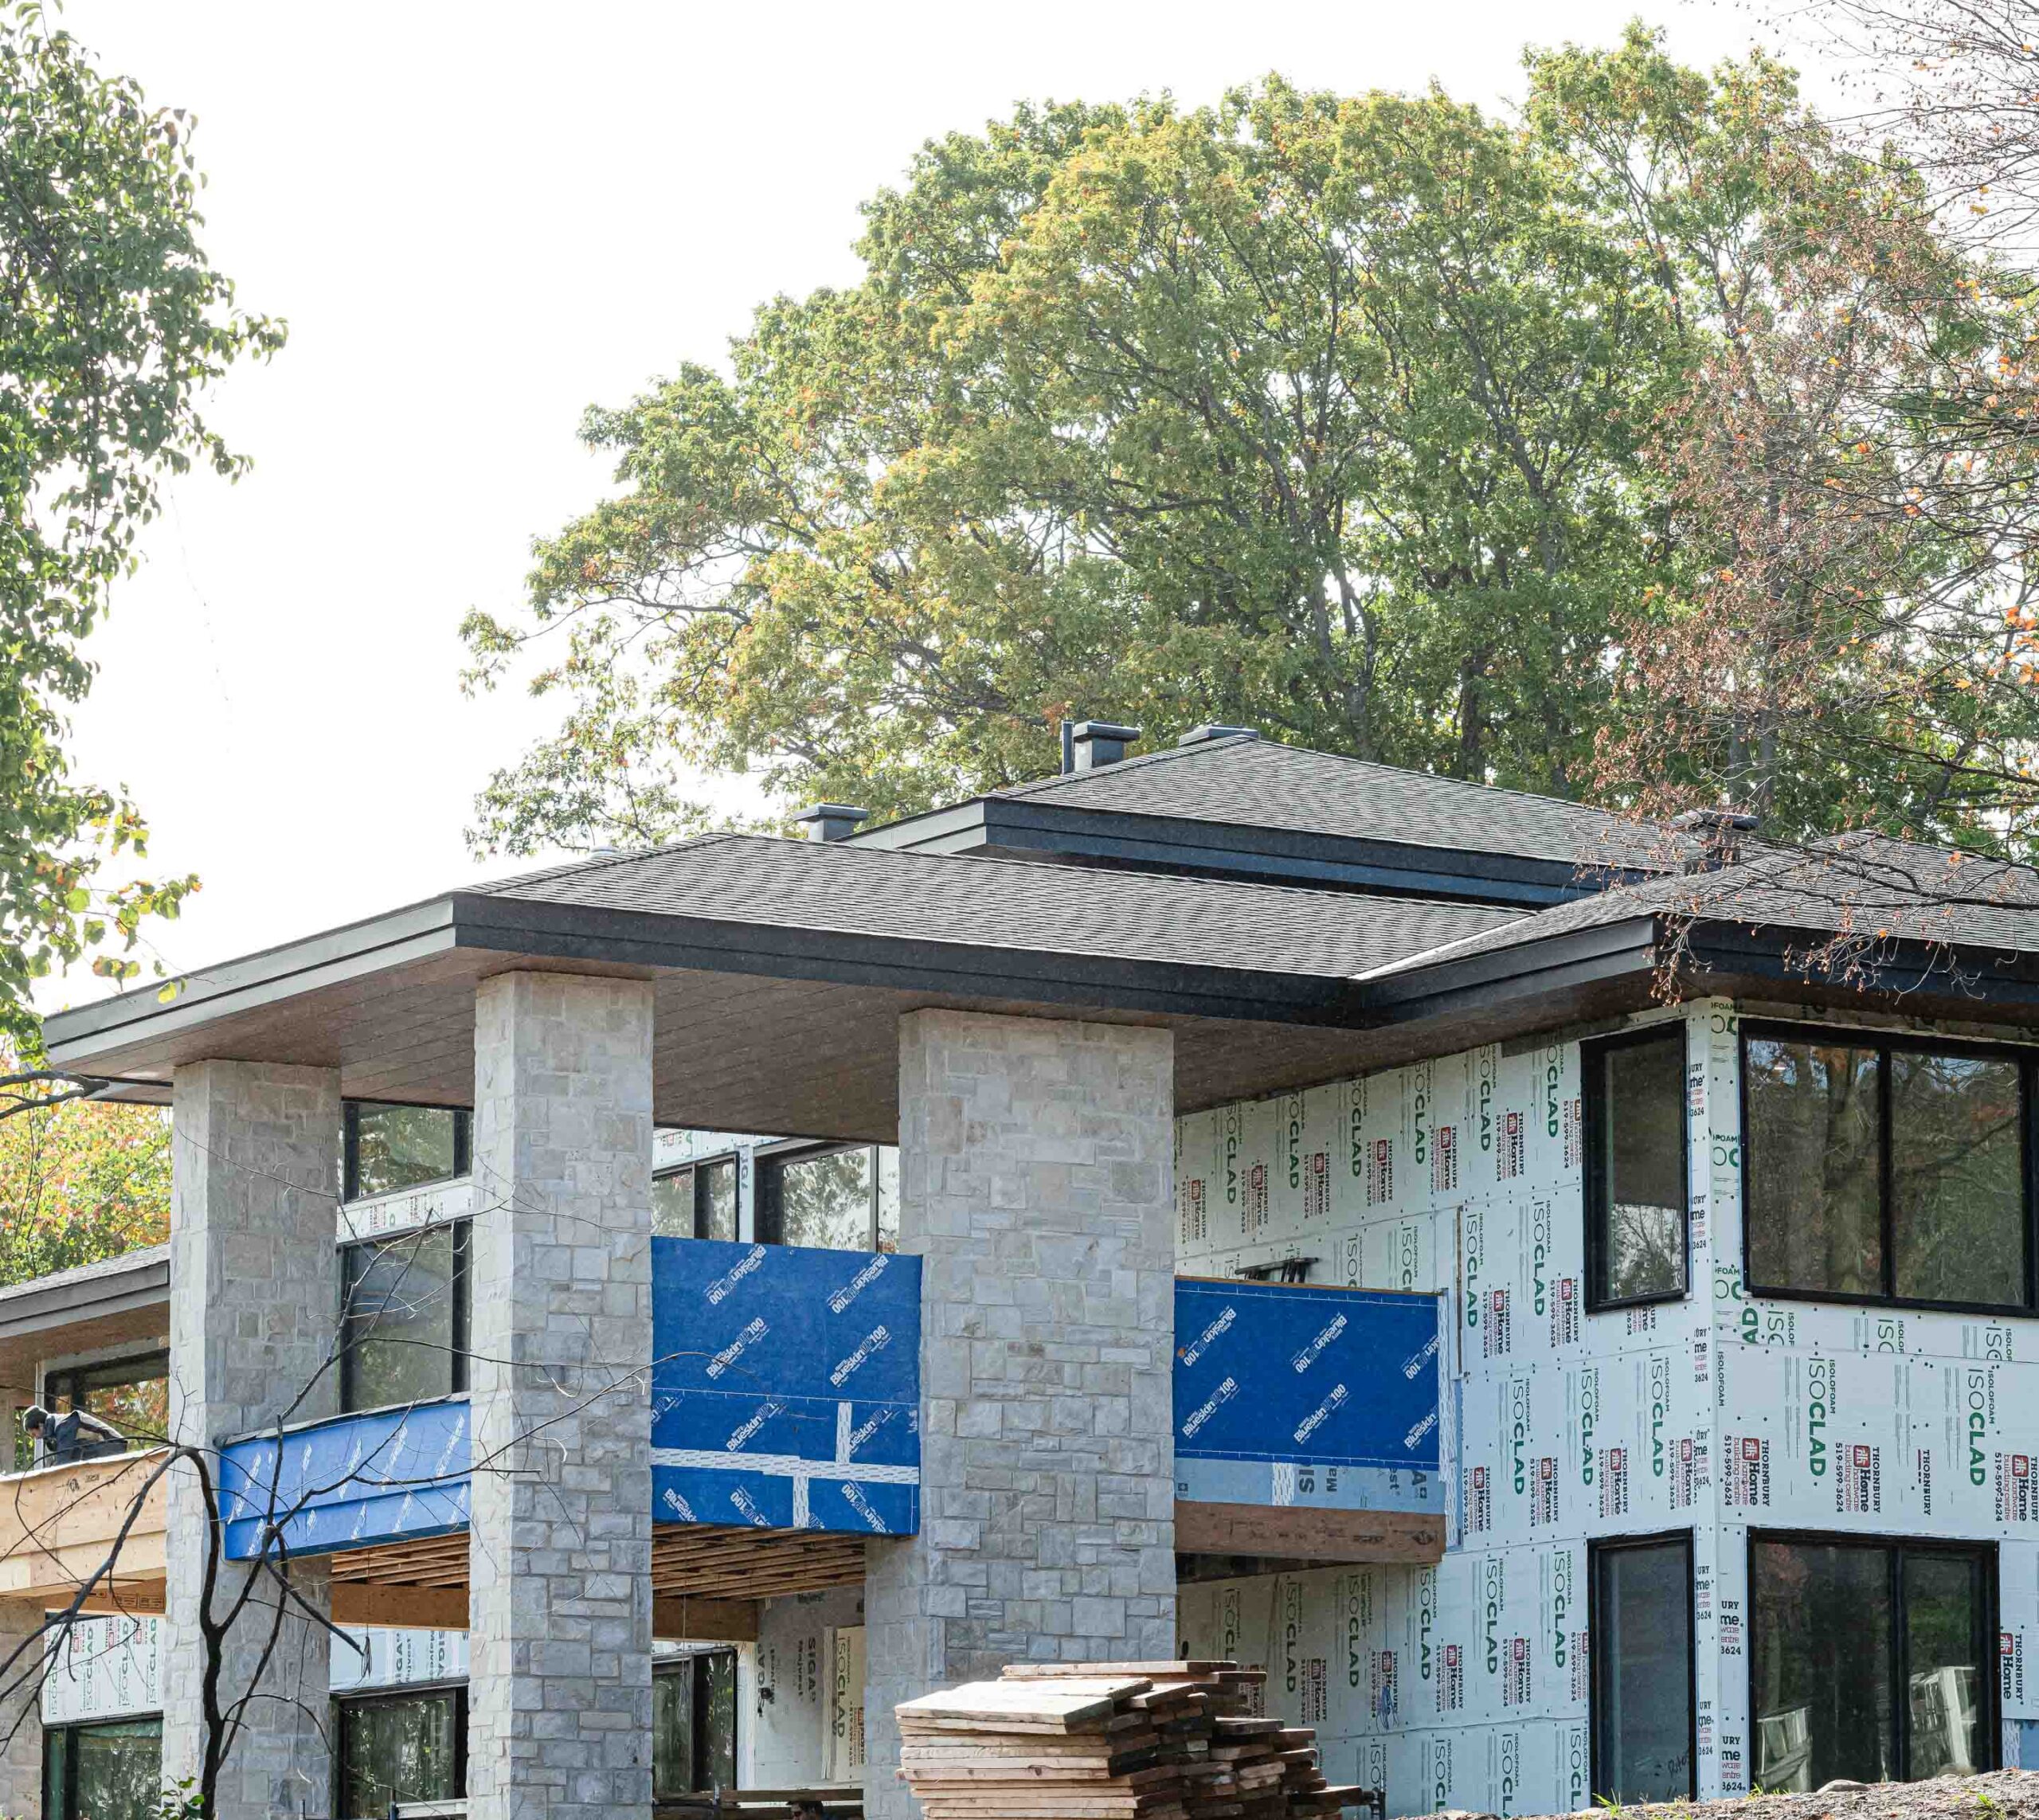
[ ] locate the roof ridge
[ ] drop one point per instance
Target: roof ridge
(1615, 822)
(1144, 760)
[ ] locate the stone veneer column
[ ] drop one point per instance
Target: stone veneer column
(21, 1715)
(1036, 1166)
(254, 1307)
(560, 1550)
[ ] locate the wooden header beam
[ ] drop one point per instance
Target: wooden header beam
(1300, 1533)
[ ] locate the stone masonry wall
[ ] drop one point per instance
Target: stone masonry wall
(560, 1549)
(254, 1304)
(1036, 1182)
(20, 1713)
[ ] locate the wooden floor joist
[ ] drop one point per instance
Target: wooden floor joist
(705, 1578)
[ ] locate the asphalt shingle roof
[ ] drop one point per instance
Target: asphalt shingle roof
(1859, 885)
(1258, 783)
(1010, 904)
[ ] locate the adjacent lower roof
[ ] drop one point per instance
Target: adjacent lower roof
(135, 1280)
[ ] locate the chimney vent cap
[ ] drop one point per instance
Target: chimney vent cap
(1093, 744)
(831, 821)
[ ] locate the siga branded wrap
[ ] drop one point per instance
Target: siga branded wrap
(785, 1386)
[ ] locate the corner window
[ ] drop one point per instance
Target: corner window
(1641, 1624)
(1870, 1661)
(404, 1318)
(1878, 1170)
(698, 1202)
(1637, 1182)
(694, 1725)
(387, 1147)
(841, 1199)
(132, 1394)
(402, 1748)
(103, 1772)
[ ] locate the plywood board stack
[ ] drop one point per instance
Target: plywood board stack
(1112, 1741)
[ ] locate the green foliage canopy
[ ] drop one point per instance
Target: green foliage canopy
(1329, 415)
(111, 325)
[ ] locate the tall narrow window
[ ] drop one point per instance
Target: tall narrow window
(1883, 1169)
(694, 1724)
(404, 1321)
(1870, 1661)
(1814, 1111)
(1642, 1670)
(1637, 1182)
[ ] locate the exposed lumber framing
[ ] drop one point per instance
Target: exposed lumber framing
(1295, 1533)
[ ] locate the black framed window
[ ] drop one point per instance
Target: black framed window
(131, 1393)
(1641, 1623)
(842, 1199)
(1637, 1178)
(1870, 1660)
(694, 1725)
(697, 1202)
(1886, 1170)
(387, 1147)
(111, 1771)
(405, 1747)
(403, 1315)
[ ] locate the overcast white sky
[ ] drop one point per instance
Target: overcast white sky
(479, 219)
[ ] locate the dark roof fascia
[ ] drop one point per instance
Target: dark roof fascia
(1578, 958)
(414, 932)
(72, 1297)
(1904, 968)
(477, 920)
(1028, 828)
(651, 938)
(1708, 953)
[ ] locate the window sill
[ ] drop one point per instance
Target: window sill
(1892, 1304)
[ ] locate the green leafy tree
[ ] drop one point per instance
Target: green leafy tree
(1336, 416)
(80, 1181)
(111, 325)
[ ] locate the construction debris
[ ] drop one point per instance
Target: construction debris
(1113, 1741)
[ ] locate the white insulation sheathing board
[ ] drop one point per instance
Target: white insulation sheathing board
(804, 1723)
(1465, 1685)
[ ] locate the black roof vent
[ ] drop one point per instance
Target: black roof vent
(1211, 731)
(1720, 832)
(831, 821)
(1091, 744)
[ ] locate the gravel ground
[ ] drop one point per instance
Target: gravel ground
(2003, 1794)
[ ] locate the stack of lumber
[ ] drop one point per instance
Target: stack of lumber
(1113, 1741)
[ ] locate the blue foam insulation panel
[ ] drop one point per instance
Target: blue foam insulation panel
(785, 1386)
(1294, 1394)
(383, 1476)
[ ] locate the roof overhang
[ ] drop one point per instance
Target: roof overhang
(759, 1027)
(794, 1030)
